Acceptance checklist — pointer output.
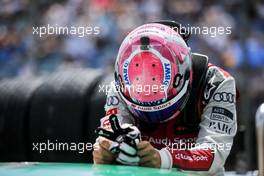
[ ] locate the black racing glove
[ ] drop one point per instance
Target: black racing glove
(125, 139)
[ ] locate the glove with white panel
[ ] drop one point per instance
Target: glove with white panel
(125, 138)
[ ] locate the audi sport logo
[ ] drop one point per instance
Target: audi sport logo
(112, 100)
(224, 97)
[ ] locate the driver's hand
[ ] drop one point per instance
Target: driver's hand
(101, 152)
(149, 156)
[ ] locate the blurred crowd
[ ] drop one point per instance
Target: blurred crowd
(23, 54)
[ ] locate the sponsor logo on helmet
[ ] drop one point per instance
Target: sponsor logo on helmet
(150, 103)
(125, 72)
(153, 108)
(167, 74)
(162, 106)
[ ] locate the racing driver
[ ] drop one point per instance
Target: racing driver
(182, 107)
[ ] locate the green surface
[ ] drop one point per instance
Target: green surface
(69, 169)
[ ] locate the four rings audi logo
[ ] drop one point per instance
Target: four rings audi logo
(112, 100)
(224, 97)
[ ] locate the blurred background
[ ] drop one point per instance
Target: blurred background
(25, 56)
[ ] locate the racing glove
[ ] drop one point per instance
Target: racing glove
(125, 139)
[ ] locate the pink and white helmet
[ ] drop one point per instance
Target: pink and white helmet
(153, 72)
